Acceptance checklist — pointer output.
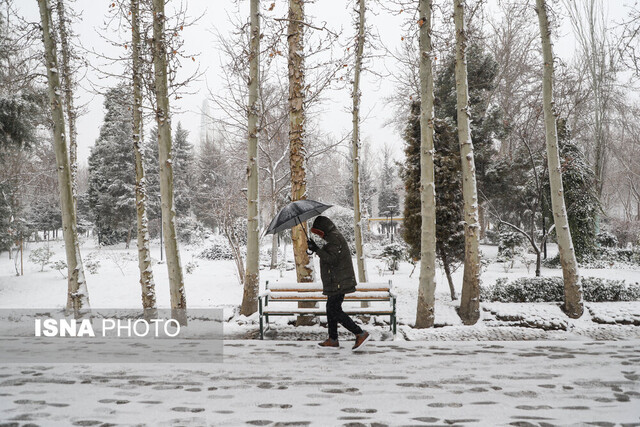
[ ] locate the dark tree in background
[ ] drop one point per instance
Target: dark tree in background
(112, 171)
(580, 196)
(486, 126)
(449, 203)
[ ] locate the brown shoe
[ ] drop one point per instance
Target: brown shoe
(361, 339)
(330, 342)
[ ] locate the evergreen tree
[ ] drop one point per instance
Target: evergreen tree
(486, 125)
(183, 161)
(388, 193)
(210, 180)
(580, 197)
(112, 170)
(449, 225)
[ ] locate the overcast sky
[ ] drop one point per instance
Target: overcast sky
(335, 117)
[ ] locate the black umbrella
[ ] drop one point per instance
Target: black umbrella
(294, 213)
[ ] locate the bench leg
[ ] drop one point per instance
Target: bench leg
(261, 324)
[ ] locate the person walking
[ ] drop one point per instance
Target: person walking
(338, 279)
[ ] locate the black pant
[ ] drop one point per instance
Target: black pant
(335, 315)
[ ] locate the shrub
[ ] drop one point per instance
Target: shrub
(217, 249)
(191, 266)
(551, 289)
(60, 266)
(511, 244)
(607, 240)
(393, 254)
(190, 230)
(603, 290)
(41, 256)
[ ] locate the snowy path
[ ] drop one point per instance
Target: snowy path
(295, 383)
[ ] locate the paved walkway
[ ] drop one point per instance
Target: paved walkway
(295, 383)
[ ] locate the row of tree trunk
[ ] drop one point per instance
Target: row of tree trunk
(469, 305)
(78, 296)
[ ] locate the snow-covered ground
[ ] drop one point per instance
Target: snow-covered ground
(292, 383)
(522, 364)
(215, 284)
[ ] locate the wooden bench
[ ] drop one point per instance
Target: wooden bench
(280, 299)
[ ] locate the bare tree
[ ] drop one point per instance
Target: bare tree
(426, 290)
(470, 300)
(144, 256)
(355, 142)
(78, 295)
(68, 86)
(163, 119)
(599, 58)
(572, 289)
(252, 272)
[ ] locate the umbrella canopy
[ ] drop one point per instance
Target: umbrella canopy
(295, 213)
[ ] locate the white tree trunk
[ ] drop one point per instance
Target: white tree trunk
(77, 295)
(355, 144)
(573, 306)
(163, 119)
(144, 255)
(68, 83)
(252, 271)
(427, 284)
(298, 157)
(470, 299)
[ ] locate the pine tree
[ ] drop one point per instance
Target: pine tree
(210, 179)
(183, 165)
(112, 170)
(388, 193)
(449, 218)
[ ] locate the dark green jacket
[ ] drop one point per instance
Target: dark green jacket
(336, 267)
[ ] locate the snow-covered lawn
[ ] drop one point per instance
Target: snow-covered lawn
(215, 284)
(491, 373)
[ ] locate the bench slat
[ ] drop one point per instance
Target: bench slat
(273, 296)
(322, 312)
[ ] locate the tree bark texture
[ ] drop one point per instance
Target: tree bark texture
(252, 277)
(469, 310)
(144, 256)
(163, 119)
(355, 144)
(427, 284)
(77, 295)
(573, 305)
(297, 151)
(67, 79)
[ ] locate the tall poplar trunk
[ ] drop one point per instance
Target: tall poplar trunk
(163, 119)
(77, 295)
(355, 155)
(67, 79)
(469, 310)
(250, 294)
(572, 289)
(427, 286)
(297, 151)
(144, 256)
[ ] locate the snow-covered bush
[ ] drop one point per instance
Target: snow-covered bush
(511, 244)
(217, 248)
(551, 289)
(525, 289)
(41, 256)
(190, 230)
(602, 290)
(393, 254)
(607, 240)
(60, 266)
(191, 266)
